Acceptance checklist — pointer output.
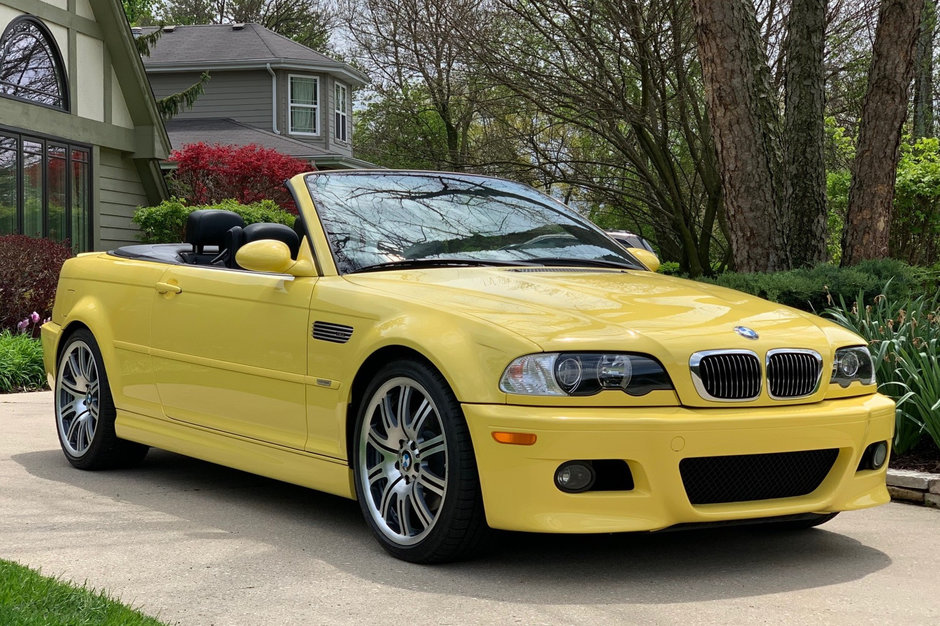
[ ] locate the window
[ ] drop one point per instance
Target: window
(44, 189)
(30, 64)
(303, 95)
(341, 121)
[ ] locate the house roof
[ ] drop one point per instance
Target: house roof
(226, 131)
(238, 46)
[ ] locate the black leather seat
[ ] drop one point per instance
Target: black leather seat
(207, 227)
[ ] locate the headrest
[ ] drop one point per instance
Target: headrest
(207, 227)
(279, 232)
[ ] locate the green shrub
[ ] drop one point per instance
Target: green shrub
(166, 222)
(822, 286)
(904, 339)
(21, 367)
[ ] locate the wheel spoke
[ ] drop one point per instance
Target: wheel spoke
(404, 398)
(88, 365)
(71, 430)
(385, 409)
(70, 408)
(417, 422)
(404, 516)
(387, 496)
(72, 388)
(432, 446)
(432, 483)
(381, 445)
(74, 366)
(421, 508)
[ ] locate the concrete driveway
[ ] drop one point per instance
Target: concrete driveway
(194, 543)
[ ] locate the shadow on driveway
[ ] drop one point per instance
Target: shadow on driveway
(677, 567)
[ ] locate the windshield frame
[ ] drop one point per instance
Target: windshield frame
(550, 203)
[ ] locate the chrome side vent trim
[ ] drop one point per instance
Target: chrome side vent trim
(793, 373)
(335, 333)
(726, 375)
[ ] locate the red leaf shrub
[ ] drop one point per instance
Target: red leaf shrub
(29, 273)
(209, 174)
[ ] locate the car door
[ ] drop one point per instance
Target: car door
(230, 351)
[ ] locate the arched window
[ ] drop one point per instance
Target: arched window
(31, 65)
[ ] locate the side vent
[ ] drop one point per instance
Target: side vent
(336, 333)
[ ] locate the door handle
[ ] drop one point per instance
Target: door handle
(170, 288)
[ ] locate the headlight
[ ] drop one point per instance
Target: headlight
(583, 374)
(853, 364)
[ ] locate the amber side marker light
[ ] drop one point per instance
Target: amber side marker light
(518, 439)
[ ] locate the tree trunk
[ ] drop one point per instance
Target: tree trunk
(804, 132)
(868, 218)
(744, 123)
(923, 72)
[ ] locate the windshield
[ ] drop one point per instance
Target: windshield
(386, 220)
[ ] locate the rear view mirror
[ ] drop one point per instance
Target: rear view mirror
(265, 255)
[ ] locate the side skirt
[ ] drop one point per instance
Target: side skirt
(293, 466)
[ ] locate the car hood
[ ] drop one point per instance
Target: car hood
(586, 309)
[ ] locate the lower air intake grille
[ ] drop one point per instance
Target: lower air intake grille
(715, 479)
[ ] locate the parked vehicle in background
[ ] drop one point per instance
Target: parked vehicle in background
(630, 240)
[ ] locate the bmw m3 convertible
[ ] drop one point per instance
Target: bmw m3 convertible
(459, 353)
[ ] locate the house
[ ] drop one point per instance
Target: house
(264, 89)
(80, 135)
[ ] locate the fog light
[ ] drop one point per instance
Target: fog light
(879, 454)
(574, 476)
(874, 456)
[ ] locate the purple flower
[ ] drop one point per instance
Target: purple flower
(23, 325)
(34, 317)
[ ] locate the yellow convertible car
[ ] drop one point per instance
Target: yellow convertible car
(460, 353)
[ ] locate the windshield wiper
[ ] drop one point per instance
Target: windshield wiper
(415, 263)
(576, 262)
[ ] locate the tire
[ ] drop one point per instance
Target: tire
(84, 409)
(416, 479)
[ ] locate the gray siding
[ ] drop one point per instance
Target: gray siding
(242, 96)
(120, 192)
(325, 139)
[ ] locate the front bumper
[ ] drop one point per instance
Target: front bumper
(518, 486)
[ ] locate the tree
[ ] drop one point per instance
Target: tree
(745, 127)
(412, 48)
(139, 11)
(804, 131)
(868, 219)
(608, 101)
(923, 72)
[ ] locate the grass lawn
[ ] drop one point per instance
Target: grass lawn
(28, 598)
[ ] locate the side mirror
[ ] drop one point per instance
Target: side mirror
(265, 255)
(647, 258)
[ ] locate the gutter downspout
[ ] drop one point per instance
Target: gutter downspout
(273, 98)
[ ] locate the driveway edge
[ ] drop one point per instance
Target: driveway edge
(914, 487)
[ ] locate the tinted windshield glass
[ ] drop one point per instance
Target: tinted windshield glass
(387, 219)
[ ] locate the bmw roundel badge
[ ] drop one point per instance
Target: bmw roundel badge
(745, 332)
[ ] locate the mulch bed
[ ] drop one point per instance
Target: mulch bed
(924, 457)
